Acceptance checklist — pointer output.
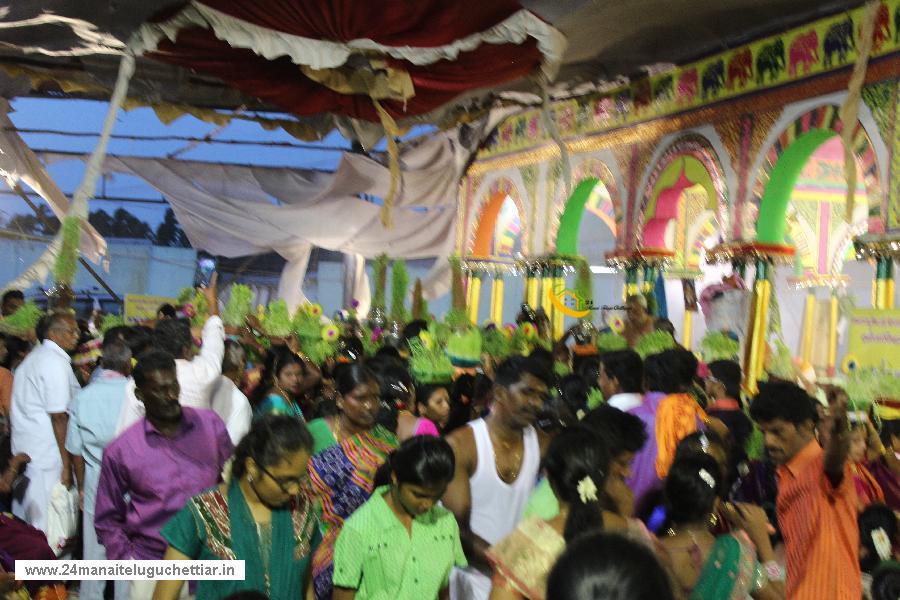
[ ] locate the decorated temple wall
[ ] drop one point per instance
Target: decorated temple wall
(688, 173)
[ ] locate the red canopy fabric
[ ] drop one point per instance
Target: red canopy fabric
(428, 23)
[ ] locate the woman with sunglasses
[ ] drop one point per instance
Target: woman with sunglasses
(349, 448)
(261, 516)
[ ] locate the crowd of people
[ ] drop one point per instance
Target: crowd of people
(545, 473)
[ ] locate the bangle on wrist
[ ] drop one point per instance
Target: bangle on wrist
(774, 571)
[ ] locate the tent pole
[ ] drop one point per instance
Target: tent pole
(24, 196)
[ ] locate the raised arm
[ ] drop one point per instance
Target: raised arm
(838, 444)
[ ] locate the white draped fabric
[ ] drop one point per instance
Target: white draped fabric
(232, 210)
(18, 163)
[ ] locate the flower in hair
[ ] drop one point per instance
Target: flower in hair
(587, 490)
(707, 478)
(882, 543)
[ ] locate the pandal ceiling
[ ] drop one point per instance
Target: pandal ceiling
(70, 48)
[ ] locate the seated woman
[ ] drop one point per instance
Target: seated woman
(261, 516)
(349, 448)
(701, 565)
(400, 544)
(576, 465)
(287, 379)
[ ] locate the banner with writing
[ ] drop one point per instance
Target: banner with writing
(143, 308)
(874, 338)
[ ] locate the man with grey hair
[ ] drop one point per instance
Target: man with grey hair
(92, 425)
(43, 388)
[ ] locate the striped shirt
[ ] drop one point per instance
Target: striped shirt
(820, 531)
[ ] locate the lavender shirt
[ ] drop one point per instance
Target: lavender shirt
(643, 470)
(145, 478)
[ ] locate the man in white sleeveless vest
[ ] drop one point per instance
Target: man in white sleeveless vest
(497, 463)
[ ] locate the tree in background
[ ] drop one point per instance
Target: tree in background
(45, 223)
(120, 224)
(169, 232)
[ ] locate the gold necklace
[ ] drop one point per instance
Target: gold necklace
(509, 475)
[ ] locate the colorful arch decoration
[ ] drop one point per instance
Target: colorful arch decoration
(694, 156)
(589, 173)
(482, 241)
(786, 158)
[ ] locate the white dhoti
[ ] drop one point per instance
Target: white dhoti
(32, 507)
(469, 584)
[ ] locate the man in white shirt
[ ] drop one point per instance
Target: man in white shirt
(228, 401)
(43, 387)
(622, 379)
(196, 374)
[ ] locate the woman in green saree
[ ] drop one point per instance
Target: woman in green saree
(260, 516)
(734, 566)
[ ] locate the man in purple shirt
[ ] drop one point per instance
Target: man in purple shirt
(151, 470)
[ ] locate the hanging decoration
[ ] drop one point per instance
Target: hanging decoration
(658, 258)
(750, 252)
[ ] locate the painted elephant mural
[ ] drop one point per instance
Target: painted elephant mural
(770, 62)
(713, 79)
(642, 94)
(839, 40)
(687, 86)
(663, 88)
(740, 69)
(882, 31)
(804, 52)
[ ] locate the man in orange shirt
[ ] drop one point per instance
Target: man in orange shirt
(816, 503)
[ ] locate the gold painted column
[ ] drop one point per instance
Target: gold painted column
(497, 300)
(474, 297)
(686, 329)
(756, 347)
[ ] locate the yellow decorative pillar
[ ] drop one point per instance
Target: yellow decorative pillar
(832, 335)
(497, 300)
(806, 343)
(559, 282)
(686, 329)
(756, 347)
(474, 297)
(885, 283)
